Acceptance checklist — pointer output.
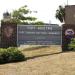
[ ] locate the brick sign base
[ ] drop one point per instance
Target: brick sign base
(68, 32)
(8, 34)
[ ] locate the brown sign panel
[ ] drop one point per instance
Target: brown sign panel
(8, 34)
(70, 14)
(68, 32)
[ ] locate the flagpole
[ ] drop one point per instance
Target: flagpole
(67, 2)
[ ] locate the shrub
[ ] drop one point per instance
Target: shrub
(11, 55)
(72, 44)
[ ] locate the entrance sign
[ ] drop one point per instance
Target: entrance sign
(38, 34)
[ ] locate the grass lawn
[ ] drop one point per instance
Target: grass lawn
(41, 51)
(47, 61)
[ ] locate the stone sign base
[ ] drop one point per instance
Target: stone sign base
(8, 34)
(68, 32)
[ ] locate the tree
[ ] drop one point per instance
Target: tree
(60, 14)
(21, 16)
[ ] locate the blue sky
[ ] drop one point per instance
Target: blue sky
(46, 8)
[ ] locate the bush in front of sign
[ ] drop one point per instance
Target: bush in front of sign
(72, 44)
(10, 55)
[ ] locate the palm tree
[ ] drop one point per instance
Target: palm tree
(60, 14)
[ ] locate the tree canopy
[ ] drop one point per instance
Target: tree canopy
(21, 16)
(60, 14)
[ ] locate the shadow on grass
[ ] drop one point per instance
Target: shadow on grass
(13, 62)
(42, 55)
(49, 54)
(28, 58)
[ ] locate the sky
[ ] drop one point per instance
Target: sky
(46, 8)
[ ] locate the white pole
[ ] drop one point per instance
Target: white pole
(67, 2)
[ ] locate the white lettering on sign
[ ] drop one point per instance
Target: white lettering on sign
(39, 35)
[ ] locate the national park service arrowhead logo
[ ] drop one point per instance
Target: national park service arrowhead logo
(8, 31)
(69, 32)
